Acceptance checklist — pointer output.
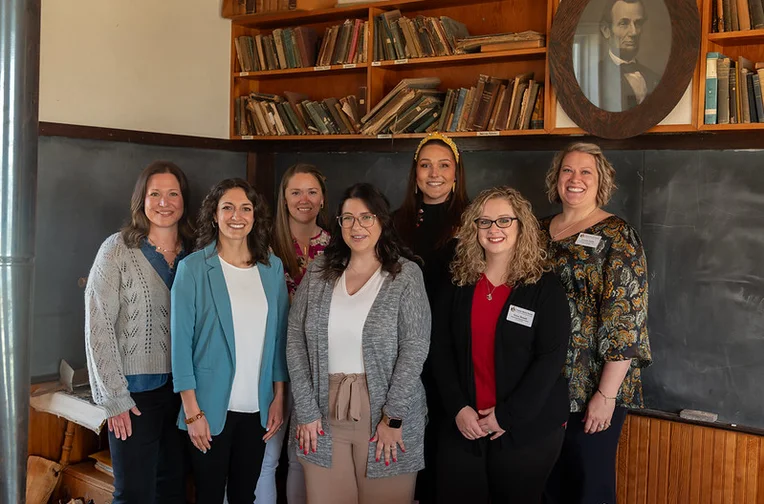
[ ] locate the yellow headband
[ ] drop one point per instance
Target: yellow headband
(437, 136)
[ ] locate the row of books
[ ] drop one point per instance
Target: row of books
(294, 114)
(495, 104)
(260, 6)
(398, 37)
(282, 49)
(733, 90)
(344, 44)
(734, 15)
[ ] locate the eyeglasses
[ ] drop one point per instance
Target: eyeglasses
(501, 222)
(365, 220)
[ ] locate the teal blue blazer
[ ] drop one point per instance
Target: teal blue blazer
(201, 326)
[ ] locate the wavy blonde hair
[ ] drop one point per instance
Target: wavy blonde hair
(529, 258)
(605, 171)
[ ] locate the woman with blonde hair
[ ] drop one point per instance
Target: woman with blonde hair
(601, 262)
(500, 334)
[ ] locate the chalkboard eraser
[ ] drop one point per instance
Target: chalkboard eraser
(702, 416)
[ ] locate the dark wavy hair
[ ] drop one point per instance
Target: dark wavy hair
(258, 240)
(138, 227)
(407, 215)
(389, 248)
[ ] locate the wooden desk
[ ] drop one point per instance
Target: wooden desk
(84, 481)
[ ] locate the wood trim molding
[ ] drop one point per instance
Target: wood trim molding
(706, 140)
(139, 137)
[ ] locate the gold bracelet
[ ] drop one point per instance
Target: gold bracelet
(606, 397)
(194, 418)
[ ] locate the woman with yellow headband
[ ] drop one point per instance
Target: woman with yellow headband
(436, 196)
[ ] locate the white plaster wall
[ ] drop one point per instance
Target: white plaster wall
(148, 65)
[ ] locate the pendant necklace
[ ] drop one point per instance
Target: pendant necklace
(558, 233)
(489, 296)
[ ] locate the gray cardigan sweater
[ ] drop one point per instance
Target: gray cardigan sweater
(396, 339)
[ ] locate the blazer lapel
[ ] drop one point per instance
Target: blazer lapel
(220, 296)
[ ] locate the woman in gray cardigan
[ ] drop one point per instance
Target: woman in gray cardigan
(359, 331)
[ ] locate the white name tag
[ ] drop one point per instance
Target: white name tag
(520, 316)
(588, 240)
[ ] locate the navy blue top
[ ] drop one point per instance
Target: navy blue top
(146, 382)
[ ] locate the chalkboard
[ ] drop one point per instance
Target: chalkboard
(701, 218)
(83, 196)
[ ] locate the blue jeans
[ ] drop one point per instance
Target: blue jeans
(266, 486)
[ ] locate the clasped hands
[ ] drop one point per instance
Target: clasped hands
(477, 424)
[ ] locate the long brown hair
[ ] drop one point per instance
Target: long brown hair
(258, 240)
(529, 258)
(138, 228)
(408, 213)
(283, 247)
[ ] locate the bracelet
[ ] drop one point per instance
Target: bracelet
(194, 418)
(606, 397)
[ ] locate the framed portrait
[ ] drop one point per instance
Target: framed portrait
(620, 66)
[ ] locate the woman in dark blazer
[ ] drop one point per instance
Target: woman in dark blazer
(500, 335)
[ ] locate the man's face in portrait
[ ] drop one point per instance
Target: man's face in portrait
(625, 28)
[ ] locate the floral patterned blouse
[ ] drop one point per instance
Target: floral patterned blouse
(316, 247)
(607, 294)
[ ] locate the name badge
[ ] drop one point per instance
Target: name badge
(588, 240)
(520, 316)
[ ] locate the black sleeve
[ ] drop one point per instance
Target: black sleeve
(550, 350)
(443, 353)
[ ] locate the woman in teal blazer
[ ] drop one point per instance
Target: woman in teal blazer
(228, 325)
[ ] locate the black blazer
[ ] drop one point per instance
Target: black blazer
(531, 392)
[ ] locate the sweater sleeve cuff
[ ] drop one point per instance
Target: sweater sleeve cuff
(118, 405)
(181, 383)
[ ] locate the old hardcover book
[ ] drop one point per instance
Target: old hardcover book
(521, 84)
(537, 118)
(512, 46)
(723, 94)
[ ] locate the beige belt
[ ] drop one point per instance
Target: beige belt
(349, 397)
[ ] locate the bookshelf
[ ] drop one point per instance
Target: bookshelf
(455, 71)
(733, 44)
(481, 17)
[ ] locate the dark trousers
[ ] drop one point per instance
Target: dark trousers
(235, 458)
(494, 471)
(585, 473)
(148, 466)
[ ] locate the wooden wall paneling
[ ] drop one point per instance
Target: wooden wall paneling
(662, 461)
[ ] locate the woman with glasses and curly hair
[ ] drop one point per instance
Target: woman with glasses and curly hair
(601, 262)
(500, 335)
(359, 329)
(228, 320)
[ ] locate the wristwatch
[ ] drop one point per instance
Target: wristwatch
(393, 423)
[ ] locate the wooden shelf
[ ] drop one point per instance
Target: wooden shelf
(519, 54)
(456, 134)
(290, 72)
(732, 127)
(734, 38)
(284, 18)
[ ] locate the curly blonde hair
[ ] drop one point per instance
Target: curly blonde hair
(529, 258)
(605, 171)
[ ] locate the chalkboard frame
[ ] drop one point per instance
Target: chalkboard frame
(683, 58)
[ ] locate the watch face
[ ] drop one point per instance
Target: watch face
(394, 423)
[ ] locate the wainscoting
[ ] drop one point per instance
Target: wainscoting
(664, 461)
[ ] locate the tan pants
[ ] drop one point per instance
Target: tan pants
(346, 482)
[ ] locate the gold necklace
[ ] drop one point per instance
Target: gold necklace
(164, 250)
(558, 233)
(489, 296)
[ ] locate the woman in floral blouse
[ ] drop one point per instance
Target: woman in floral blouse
(299, 236)
(601, 262)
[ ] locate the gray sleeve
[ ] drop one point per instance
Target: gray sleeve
(102, 305)
(298, 358)
(414, 321)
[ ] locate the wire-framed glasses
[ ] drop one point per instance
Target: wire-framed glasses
(365, 220)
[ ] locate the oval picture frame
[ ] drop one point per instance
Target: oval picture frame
(683, 58)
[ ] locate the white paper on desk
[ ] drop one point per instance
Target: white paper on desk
(76, 407)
